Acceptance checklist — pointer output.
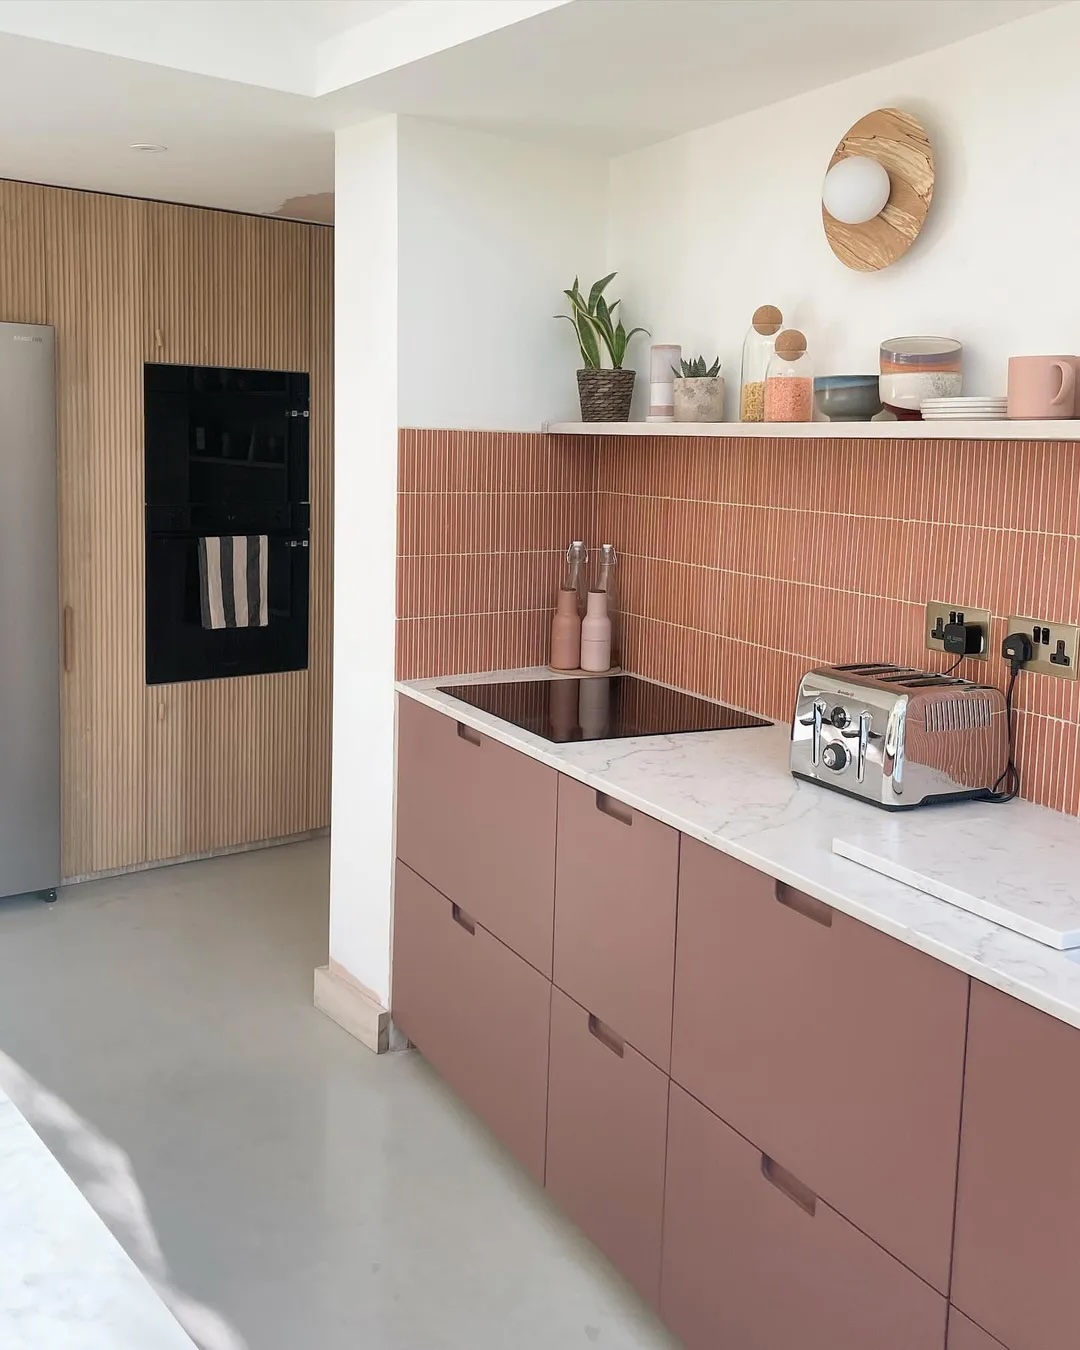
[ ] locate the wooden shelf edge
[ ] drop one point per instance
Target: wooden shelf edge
(884, 431)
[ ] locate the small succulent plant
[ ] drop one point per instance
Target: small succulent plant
(696, 369)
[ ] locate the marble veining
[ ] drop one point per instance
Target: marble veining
(970, 861)
(65, 1282)
(732, 790)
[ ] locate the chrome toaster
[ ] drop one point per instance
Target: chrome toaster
(898, 737)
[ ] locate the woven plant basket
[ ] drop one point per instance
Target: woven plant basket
(605, 395)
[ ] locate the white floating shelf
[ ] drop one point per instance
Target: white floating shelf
(947, 430)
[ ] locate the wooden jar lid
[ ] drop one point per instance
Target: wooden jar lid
(791, 344)
(767, 320)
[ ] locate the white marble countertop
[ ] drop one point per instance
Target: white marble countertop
(732, 789)
(65, 1281)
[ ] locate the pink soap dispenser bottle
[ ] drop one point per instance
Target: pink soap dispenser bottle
(596, 634)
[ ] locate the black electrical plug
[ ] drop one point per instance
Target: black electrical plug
(1016, 649)
(962, 639)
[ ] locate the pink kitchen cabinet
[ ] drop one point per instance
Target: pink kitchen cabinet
(477, 1011)
(831, 1046)
(607, 1127)
(476, 820)
(965, 1335)
(616, 884)
(1017, 1259)
(753, 1260)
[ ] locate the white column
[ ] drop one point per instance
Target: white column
(365, 548)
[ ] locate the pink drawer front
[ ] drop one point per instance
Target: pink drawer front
(753, 1261)
(475, 1010)
(965, 1335)
(607, 1126)
(476, 820)
(616, 883)
(1017, 1261)
(835, 1049)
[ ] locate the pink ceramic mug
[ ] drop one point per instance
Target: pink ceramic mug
(1042, 386)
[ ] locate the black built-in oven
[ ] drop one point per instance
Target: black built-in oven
(226, 457)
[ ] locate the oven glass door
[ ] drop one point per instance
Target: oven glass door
(180, 647)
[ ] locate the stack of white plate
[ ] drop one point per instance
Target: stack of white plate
(975, 409)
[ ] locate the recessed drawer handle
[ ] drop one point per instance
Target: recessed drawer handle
(462, 919)
(606, 1036)
(469, 734)
(805, 905)
(616, 810)
(788, 1185)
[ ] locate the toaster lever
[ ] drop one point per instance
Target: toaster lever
(818, 718)
(864, 743)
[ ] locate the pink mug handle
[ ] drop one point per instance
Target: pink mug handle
(1065, 397)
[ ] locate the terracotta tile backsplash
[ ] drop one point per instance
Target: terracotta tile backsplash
(484, 519)
(744, 562)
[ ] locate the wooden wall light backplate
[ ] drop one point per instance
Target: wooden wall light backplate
(899, 141)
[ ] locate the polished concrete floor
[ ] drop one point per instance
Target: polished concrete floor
(316, 1196)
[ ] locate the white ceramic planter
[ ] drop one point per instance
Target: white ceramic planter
(699, 399)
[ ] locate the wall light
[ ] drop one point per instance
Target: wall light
(885, 159)
(856, 189)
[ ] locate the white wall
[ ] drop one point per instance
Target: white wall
(706, 227)
(451, 251)
(365, 515)
(491, 232)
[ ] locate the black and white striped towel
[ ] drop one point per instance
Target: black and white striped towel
(232, 580)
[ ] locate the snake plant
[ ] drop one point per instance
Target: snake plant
(594, 323)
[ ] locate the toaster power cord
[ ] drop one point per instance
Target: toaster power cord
(1016, 649)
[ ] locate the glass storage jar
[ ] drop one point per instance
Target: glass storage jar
(789, 380)
(757, 348)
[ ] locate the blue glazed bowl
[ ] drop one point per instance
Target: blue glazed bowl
(847, 398)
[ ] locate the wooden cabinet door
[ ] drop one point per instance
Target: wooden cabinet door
(753, 1260)
(616, 883)
(477, 820)
(965, 1335)
(837, 1050)
(93, 292)
(1017, 1253)
(479, 1013)
(607, 1126)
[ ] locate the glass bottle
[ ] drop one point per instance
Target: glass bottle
(576, 577)
(607, 581)
(789, 381)
(757, 348)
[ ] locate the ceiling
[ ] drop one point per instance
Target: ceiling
(246, 94)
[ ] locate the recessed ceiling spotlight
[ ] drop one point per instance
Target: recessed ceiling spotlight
(149, 147)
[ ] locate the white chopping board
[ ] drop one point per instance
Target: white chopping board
(1016, 865)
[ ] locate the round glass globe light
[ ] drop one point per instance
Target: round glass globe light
(855, 189)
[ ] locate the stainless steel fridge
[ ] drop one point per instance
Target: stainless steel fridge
(29, 614)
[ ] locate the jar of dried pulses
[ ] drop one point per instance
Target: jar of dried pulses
(757, 348)
(789, 383)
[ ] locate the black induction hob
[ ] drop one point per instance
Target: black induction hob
(599, 709)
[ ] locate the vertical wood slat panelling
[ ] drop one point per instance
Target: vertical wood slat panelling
(231, 761)
(321, 364)
(22, 253)
(93, 248)
(156, 773)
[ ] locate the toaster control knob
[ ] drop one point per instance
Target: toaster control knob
(835, 756)
(839, 717)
